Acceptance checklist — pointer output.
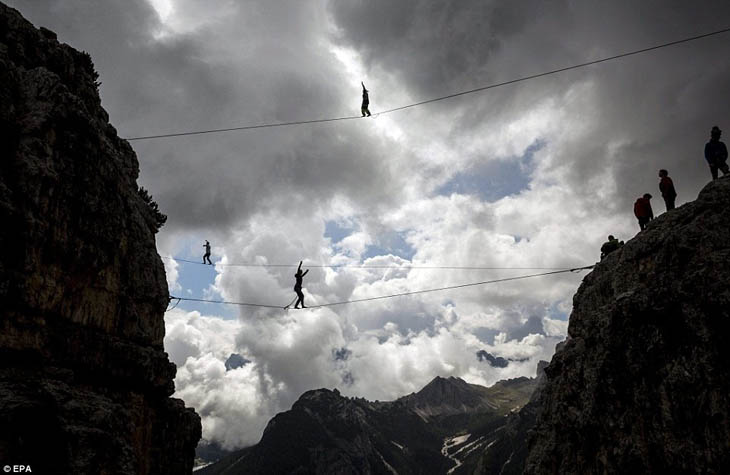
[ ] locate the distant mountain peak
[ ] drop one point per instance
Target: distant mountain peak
(446, 380)
(319, 395)
(235, 361)
(448, 395)
(325, 432)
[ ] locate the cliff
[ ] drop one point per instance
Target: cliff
(84, 380)
(643, 383)
(506, 454)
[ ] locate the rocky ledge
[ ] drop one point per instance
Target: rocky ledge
(643, 383)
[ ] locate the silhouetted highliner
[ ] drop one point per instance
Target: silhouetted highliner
(716, 153)
(643, 211)
(298, 286)
(611, 245)
(666, 186)
(206, 256)
(365, 102)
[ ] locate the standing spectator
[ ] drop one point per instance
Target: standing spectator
(716, 153)
(666, 186)
(643, 211)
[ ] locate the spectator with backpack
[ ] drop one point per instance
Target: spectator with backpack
(643, 211)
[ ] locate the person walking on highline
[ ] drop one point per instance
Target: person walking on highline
(666, 186)
(298, 285)
(716, 153)
(206, 256)
(643, 211)
(365, 102)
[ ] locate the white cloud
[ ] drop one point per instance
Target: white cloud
(189, 334)
(172, 274)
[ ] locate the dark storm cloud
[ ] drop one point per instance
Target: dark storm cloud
(654, 111)
(262, 62)
(145, 83)
(433, 46)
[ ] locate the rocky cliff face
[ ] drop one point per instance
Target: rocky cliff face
(506, 454)
(84, 380)
(643, 383)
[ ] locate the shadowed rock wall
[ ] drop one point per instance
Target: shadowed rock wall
(643, 383)
(84, 380)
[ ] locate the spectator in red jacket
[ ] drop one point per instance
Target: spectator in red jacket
(666, 186)
(642, 210)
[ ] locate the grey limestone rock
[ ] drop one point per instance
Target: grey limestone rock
(643, 383)
(84, 379)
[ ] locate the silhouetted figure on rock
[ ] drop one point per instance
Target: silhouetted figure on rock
(666, 186)
(365, 102)
(206, 256)
(643, 211)
(298, 286)
(716, 153)
(611, 245)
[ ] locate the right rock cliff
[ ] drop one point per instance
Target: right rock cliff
(642, 385)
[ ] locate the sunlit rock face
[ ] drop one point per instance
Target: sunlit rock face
(643, 383)
(84, 380)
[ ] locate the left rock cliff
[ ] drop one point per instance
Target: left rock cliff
(84, 379)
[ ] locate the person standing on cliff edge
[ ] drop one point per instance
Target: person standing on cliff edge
(643, 211)
(206, 256)
(666, 186)
(298, 285)
(716, 153)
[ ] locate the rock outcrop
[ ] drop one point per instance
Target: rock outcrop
(506, 454)
(643, 383)
(84, 379)
(449, 396)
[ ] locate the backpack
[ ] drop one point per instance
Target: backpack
(639, 208)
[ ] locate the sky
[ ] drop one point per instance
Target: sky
(534, 174)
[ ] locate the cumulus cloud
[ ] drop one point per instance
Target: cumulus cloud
(190, 335)
(291, 354)
(171, 272)
(534, 174)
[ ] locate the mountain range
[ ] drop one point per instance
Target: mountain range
(446, 427)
